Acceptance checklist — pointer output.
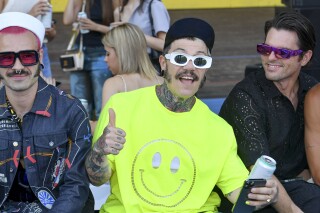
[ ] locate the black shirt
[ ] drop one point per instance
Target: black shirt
(93, 38)
(266, 123)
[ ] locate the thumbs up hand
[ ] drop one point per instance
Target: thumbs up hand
(112, 139)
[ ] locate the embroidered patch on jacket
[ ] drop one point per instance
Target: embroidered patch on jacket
(46, 198)
(58, 171)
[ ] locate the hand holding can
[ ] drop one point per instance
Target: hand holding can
(46, 19)
(82, 15)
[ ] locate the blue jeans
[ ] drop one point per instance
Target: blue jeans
(46, 62)
(87, 83)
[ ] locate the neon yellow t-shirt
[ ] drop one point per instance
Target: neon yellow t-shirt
(170, 161)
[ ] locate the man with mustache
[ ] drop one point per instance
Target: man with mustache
(266, 111)
(171, 150)
(44, 133)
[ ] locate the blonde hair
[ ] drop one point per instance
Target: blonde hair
(130, 45)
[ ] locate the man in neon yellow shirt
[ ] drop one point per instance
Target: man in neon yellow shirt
(171, 149)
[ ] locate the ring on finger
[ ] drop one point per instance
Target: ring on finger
(269, 199)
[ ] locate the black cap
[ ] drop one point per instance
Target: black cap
(190, 27)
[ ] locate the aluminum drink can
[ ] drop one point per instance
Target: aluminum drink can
(85, 104)
(46, 19)
(263, 168)
(82, 15)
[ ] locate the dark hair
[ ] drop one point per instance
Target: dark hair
(167, 48)
(295, 22)
(125, 2)
(107, 11)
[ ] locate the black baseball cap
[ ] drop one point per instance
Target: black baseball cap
(190, 27)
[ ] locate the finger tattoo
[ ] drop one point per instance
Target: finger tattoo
(102, 144)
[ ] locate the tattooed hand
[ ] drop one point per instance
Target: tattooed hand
(110, 142)
(112, 139)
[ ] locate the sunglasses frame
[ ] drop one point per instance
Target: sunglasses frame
(280, 53)
(17, 55)
(171, 58)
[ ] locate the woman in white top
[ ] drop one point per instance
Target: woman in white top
(137, 12)
(128, 60)
(152, 17)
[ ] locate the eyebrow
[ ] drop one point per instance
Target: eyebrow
(282, 47)
(198, 52)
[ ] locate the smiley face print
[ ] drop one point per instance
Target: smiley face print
(163, 173)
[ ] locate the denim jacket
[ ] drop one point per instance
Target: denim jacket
(54, 140)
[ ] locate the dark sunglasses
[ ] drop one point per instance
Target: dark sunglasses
(26, 57)
(181, 59)
(280, 53)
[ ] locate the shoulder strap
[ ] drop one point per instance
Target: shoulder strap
(83, 8)
(75, 32)
(154, 53)
(151, 19)
(124, 82)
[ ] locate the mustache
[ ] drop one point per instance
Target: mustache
(18, 72)
(187, 72)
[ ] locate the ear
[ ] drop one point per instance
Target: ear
(162, 61)
(306, 57)
(41, 56)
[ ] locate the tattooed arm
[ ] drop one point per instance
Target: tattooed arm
(97, 168)
(110, 142)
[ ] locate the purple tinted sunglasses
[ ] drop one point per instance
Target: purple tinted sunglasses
(280, 53)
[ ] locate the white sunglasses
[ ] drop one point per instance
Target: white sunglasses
(181, 59)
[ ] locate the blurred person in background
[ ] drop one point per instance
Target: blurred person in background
(153, 19)
(128, 60)
(87, 83)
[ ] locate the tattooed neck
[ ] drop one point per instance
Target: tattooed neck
(172, 102)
